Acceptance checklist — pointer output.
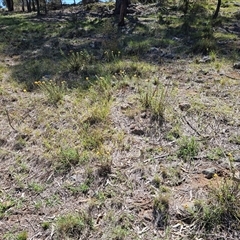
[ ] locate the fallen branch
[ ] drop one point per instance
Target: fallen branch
(195, 130)
(9, 121)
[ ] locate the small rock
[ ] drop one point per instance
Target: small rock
(137, 131)
(205, 59)
(147, 217)
(143, 115)
(237, 176)
(209, 172)
(153, 50)
(2, 142)
(237, 159)
(132, 126)
(199, 80)
(169, 56)
(124, 107)
(184, 106)
(236, 65)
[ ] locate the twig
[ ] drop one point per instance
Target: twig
(234, 78)
(156, 157)
(9, 121)
(30, 224)
(195, 130)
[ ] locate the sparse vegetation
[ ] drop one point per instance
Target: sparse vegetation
(188, 148)
(114, 132)
(154, 98)
(73, 225)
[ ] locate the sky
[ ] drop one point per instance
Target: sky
(64, 1)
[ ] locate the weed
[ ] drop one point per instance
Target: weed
(156, 181)
(137, 48)
(67, 158)
(36, 187)
(73, 225)
(53, 90)
(82, 188)
(77, 61)
(215, 153)
(171, 176)
(53, 200)
(161, 210)
(155, 99)
(174, 133)
(221, 209)
(205, 46)
(188, 148)
(22, 236)
(92, 138)
(4, 206)
(104, 169)
(38, 204)
(120, 233)
(235, 139)
(110, 56)
(45, 225)
(122, 226)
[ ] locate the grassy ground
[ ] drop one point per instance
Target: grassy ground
(120, 133)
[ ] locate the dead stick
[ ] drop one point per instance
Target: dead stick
(194, 129)
(9, 120)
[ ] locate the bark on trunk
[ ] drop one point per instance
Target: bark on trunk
(9, 4)
(38, 7)
(121, 9)
(29, 8)
(23, 6)
(215, 15)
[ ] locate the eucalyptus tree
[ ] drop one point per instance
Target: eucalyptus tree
(215, 15)
(9, 4)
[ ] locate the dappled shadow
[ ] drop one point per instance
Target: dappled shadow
(153, 34)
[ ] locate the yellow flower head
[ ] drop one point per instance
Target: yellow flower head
(24, 90)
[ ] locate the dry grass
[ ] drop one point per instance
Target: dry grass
(84, 154)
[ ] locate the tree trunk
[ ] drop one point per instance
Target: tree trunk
(45, 7)
(117, 6)
(215, 15)
(23, 6)
(33, 6)
(121, 9)
(38, 7)
(9, 4)
(185, 6)
(29, 8)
